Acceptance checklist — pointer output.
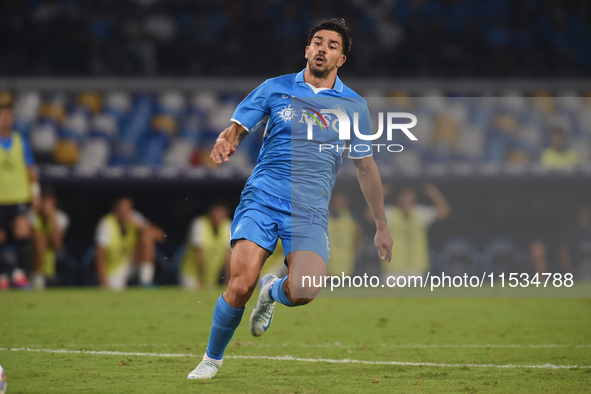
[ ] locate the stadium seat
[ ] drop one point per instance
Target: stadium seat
(92, 101)
(43, 138)
(27, 106)
(179, 153)
(105, 124)
(173, 102)
(95, 154)
(66, 152)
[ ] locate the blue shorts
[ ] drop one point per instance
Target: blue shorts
(263, 218)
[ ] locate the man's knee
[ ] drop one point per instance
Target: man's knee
(300, 293)
(22, 228)
(301, 301)
(240, 289)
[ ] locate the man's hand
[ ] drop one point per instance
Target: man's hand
(383, 241)
(227, 142)
(222, 150)
(371, 186)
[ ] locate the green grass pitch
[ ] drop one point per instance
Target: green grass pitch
(158, 336)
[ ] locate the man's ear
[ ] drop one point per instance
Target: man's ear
(306, 55)
(342, 61)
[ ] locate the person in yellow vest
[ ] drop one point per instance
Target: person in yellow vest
(125, 247)
(408, 223)
(49, 228)
(208, 249)
(558, 156)
(19, 189)
(344, 235)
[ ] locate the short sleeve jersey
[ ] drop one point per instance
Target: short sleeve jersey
(295, 162)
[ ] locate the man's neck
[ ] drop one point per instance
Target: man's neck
(5, 134)
(318, 82)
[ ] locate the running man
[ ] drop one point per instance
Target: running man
(278, 202)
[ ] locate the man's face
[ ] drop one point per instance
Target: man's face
(406, 199)
(123, 210)
(6, 120)
(557, 141)
(217, 214)
(48, 205)
(325, 53)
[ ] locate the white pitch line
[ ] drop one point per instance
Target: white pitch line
(339, 345)
(291, 358)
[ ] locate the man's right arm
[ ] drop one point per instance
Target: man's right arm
(227, 142)
(102, 241)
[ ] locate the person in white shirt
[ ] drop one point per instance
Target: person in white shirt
(125, 244)
(49, 229)
(207, 254)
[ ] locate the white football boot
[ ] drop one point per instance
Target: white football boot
(261, 316)
(206, 369)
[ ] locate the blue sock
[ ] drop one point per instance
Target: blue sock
(225, 321)
(276, 292)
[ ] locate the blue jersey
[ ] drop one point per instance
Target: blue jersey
(291, 163)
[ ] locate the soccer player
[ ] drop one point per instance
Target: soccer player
(279, 200)
(208, 249)
(125, 244)
(19, 188)
(49, 229)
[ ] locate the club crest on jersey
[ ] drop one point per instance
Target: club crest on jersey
(287, 113)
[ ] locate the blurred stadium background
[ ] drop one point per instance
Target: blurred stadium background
(125, 98)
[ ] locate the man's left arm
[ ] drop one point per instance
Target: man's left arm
(371, 186)
(33, 175)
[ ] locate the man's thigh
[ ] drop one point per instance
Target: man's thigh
(9, 213)
(305, 235)
(255, 220)
(307, 272)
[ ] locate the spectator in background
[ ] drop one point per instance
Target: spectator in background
(208, 251)
(575, 246)
(558, 156)
(19, 188)
(49, 229)
(125, 244)
(344, 234)
(408, 223)
(538, 257)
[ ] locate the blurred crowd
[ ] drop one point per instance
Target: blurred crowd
(424, 38)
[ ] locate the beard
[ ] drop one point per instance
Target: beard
(319, 72)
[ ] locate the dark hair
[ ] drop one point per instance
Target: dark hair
(48, 192)
(337, 25)
(6, 100)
